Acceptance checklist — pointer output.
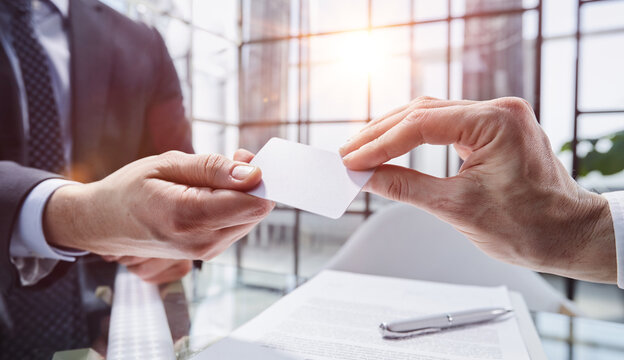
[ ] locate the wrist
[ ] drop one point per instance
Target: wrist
(591, 254)
(66, 218)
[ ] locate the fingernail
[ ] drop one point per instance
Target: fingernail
(241, 172)
(342, 148)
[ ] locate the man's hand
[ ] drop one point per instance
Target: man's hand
(174, 205)
(154, 270)
(512, 197)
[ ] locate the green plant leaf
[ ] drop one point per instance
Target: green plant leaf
(607, 163)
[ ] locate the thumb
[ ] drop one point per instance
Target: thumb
(211, 170)
(408, 186)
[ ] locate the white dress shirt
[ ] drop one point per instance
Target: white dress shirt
(30, 252)
(616, 205)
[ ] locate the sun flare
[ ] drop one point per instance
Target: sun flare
(362, 53)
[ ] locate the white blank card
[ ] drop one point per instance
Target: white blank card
(307, 178)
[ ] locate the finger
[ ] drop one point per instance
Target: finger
(409, 186)
(227, 236)
(376, 129)
(176, 271)
(462, 151)
(151, 267)
(217, 209)
(387, 115)
(243, 155)
(131, 260)
(110, 258)
(383, 122)
(212, 170)
(372, 131)
(421, 102)
(465, 125)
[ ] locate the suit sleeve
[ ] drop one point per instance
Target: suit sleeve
(17, 181)
(167, 126)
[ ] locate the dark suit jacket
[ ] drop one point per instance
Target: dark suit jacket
(126, 104)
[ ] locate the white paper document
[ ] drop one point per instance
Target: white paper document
(307, 178)
(336, 316)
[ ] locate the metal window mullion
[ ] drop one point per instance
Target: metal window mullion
(367, 196)
(239, 244)
(570, 283)
(447, 150)
(189, 66)
(603, 111)
(297, 212)
(411, 161)
(537, 91)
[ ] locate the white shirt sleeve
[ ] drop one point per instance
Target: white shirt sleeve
(30, 252)
(616, 205)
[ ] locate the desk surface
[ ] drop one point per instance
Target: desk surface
(221, 298)
(209, 304)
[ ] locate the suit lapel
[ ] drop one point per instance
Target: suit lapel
(91, 64)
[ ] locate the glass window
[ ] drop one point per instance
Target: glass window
(385, 12)
(331, 136)
(266, 19)
(601, 16)
(270, 245)
(321, 238)
(208, 97)
(177, 35)
(497, 60)
(390, 69)
(457, 73)
(214, 55)
(390, 88)
(427, 9)
(601, 79)
(559, 17)
(332, 15)
(216, 16)
(264, 84)
(429, 38)
(463, 7)
(557, 94)
(253, 136)
(338, 91)
(429, 66)
(209, 138)
(430, 159)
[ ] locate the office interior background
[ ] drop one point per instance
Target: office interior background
(315, 71)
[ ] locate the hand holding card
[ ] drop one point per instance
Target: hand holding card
(307, 178)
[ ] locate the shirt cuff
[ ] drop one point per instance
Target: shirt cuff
(28, 239)
(616, 205)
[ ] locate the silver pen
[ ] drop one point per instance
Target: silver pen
(435, 323)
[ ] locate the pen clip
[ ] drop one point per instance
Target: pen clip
(390, 334)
